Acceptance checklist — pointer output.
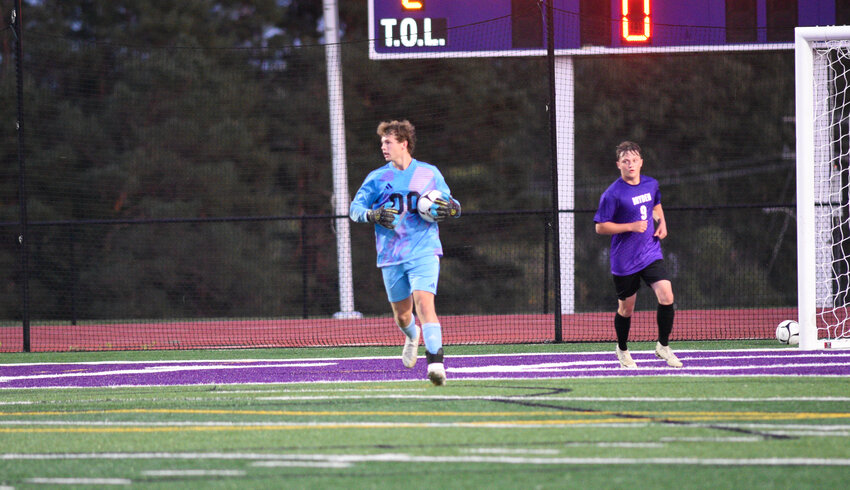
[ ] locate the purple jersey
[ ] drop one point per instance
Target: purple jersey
(626, 203)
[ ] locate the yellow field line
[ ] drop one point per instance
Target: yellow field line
(223, 428)
(593, 416)
(720, 416)
(299, 413)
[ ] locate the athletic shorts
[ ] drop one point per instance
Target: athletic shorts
(629, 285)
(420, 274)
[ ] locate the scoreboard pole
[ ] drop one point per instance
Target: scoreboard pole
(564, 171)
(339, 166)
(563, 157)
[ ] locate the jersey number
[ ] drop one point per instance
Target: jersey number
(398, 201)
(643, 213)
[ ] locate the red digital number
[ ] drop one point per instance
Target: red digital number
(640, 32)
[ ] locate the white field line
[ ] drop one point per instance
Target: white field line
(651, 353)
(553, 452)
(510, 450)
(159, 370)
(795, 430)
(754, 353)
(749, 425)
(555, 367)
(713, 439)
(418, 459)
(801, 433)
(301, 464)
(194, 473)
(79, 481)
(563, 398)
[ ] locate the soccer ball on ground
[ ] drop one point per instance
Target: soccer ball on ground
(788, 332)
(426, 206)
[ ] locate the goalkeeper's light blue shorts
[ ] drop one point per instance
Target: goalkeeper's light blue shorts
(420, 274)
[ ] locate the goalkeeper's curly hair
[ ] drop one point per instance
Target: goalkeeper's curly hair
(403, 131)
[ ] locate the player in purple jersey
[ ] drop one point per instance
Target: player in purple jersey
(630, 210)
(408, 247)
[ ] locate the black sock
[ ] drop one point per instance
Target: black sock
(665, 323)
(622, 324)
(438, 357)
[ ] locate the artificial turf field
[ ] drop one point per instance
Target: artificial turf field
(542, 422)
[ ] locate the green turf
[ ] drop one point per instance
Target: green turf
(644, 432)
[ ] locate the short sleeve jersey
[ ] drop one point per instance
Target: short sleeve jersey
(413, 237)
(625, 203)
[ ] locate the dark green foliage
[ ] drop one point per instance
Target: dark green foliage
(200, 109)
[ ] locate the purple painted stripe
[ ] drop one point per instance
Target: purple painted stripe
(551, 365)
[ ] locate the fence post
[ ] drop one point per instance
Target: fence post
(553, 148)
(23, 236)
(75, 272)
(304, 275)
(546, 226)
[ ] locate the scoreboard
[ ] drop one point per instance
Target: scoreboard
(458, 28)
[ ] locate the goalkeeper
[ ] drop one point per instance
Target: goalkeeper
(408, 247)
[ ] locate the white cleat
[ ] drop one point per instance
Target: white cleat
(411, 348)
(625, 359)
(664, 352)
(437, 373)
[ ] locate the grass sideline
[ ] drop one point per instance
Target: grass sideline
(647, 432)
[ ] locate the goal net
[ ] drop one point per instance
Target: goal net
(823, 185)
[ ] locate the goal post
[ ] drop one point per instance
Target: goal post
(822, 65)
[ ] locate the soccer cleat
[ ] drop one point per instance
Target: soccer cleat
(411, 348)
(437, 373)
(436, 370)
(625, 359)
(664, 352)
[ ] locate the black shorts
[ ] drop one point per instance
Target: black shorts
(629, 285)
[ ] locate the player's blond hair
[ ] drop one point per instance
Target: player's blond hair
(402, 130)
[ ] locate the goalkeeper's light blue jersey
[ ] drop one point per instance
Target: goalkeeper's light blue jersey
(413, 237)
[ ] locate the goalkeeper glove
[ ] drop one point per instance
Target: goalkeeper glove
(446, 208)
(386, 217)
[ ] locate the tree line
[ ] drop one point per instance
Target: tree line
(145, 122)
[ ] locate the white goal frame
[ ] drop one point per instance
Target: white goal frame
(814, 157)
